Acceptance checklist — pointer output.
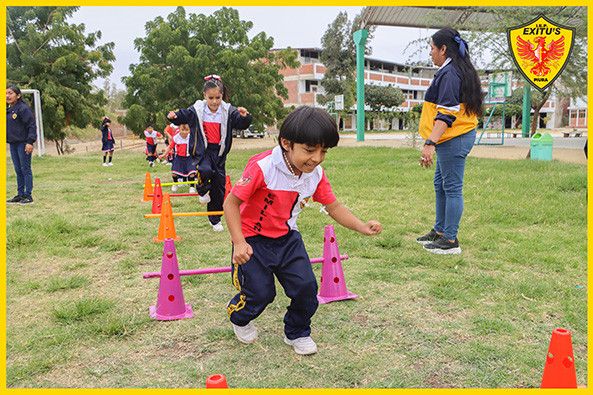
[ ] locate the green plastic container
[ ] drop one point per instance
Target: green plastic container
(541, 146)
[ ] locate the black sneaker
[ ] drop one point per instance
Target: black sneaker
(443, 246)
(27, 200)
(429, 238)
(15, 199)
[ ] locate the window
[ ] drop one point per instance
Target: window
(311, 86)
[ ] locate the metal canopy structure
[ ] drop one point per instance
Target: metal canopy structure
(427, 17)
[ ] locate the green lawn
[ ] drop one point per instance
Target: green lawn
(77, 305)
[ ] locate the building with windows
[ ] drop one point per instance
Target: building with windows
(304, 84)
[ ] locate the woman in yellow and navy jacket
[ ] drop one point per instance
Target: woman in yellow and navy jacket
(450, 112)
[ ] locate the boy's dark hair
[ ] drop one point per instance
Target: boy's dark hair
(311, 126)
(148, 125)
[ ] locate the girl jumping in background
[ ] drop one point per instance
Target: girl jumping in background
(211, 122)
(151, 142)
(107, 140)
(182, 162)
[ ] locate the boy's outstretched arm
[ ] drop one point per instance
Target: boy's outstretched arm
(344, 217)
(242, 251)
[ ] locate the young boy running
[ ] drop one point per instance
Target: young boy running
(261, 213)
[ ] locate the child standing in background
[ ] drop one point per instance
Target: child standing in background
(151, 142)
(211, 122)
(107, 140)
(261, 212)
(170, 131)
(182, 163)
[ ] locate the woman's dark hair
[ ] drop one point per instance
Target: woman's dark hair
(216, 82)
(15, 89)
(458, 51)
(311, 126)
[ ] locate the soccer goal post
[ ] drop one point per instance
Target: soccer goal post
(38, 119)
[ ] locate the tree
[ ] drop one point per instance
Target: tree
(380, 98)
(177, 53)
(338, 55)
(45, 52)
(492, 39)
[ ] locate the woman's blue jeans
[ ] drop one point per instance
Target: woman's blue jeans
(448, 182)
(22, 167)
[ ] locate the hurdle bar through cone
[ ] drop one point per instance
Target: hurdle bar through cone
(332, 284)
(170, 303)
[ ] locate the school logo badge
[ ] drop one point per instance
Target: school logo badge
(14, 116)
(540, 49)
(243, 181)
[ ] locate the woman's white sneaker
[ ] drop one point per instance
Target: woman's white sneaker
(302, 345)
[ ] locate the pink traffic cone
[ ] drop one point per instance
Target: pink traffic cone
(332, 285)
(157, 198)
(170, 304)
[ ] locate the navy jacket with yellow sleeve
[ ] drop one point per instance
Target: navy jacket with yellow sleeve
(442, 101)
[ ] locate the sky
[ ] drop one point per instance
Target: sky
(297, 27)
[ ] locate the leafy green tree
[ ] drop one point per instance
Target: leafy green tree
(45, 52)
(338, 55)
(179, 51)
(380, 98)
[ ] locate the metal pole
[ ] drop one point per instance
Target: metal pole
(360, 38)
(526, 109)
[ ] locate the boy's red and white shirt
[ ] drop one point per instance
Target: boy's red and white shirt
(272, 195)
(151, 136)
(179, 144)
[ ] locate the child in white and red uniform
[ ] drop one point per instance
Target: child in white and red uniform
(182, 163)
(261, 212)
(170, 131)
(151, 136)
(211, 122)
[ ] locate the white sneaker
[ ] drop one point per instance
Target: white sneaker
(158, 160)
(218, 227)
(151, 164)
(169, 164)
(246, 334)
(105, 164)
(192, 190)
(205, 199)
(174, 188)
(302, 345)
(110, 164)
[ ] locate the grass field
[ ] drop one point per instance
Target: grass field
(77, 305)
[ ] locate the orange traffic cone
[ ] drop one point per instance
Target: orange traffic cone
(227, 186)
(559, 371)
(170, 304)
(157, 197)
(216, 381)
(147, 188)
(166, 224)
(332, 285)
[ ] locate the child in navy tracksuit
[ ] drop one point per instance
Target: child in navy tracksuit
(182, 163)
(261, 213)
(151, 135)
(107, 140)
(211, 122)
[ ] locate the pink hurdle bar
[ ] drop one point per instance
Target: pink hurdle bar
(223, 269)
(176, 194)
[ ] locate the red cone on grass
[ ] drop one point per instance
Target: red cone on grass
(170, 304)
(559, 371)
(332, 285)
(166, 224)
(157, 198)
(216, 381)
(147, 188)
